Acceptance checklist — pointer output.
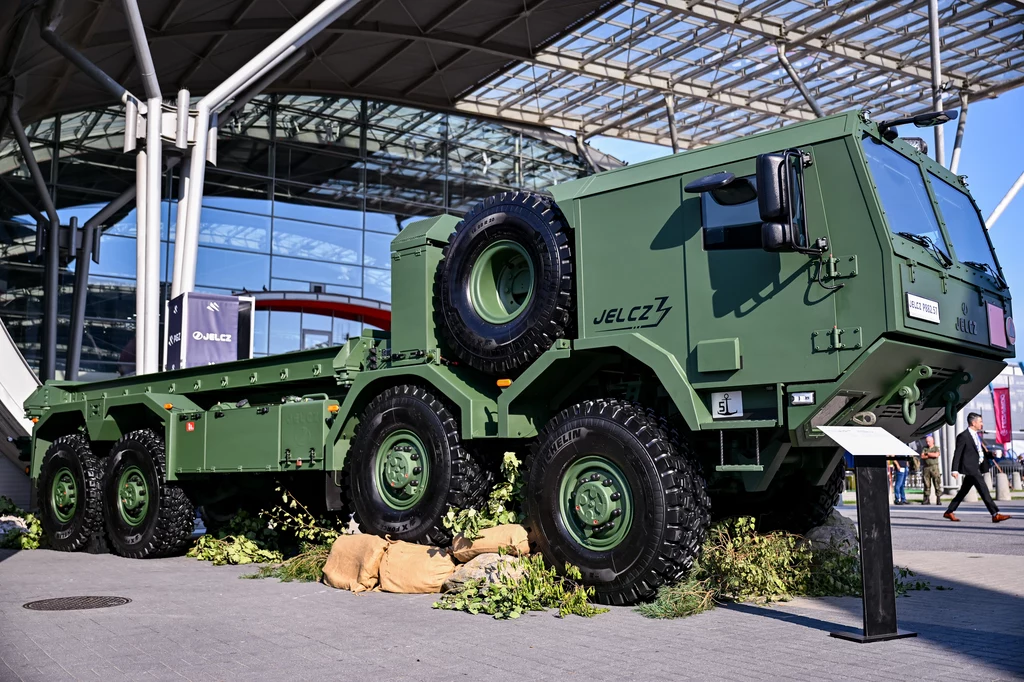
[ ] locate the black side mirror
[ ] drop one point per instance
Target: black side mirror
(776, 237)
(709, 182)
(772, 187)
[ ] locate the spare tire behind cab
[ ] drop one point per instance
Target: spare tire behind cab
(505, 285)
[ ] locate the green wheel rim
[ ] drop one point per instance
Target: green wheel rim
(502, 282)
(403, 468)
(64, 495)
(132, 496)
(596, 503)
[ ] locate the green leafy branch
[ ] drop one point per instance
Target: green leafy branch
(526, 584)
(502, 506)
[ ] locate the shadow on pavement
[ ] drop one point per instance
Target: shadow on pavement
(998, 618)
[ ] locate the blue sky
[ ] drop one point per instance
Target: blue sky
(992, 157)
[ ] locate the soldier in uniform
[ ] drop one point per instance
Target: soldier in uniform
(930, 470)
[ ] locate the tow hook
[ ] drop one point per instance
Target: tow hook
(908, 391)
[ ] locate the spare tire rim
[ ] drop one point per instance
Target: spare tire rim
(501, 282)
(402, 470)
(132, 496)
(64, 495)
(596, 503)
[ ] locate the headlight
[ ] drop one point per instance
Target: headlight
(1011, 331)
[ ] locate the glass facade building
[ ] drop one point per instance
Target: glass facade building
(306, 196)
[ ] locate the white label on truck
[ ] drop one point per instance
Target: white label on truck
(923, 308)
(728, 405)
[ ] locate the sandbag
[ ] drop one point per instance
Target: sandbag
(408, 568)
(511, 537)
(354, 562)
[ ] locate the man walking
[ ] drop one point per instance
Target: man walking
(930, 471)
(969, 460)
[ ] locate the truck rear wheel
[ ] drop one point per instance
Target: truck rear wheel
(146, 516)
(70, 494)
(610, 490)
(407, 467)
(506, 283)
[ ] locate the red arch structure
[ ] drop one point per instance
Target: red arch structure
(376, 313)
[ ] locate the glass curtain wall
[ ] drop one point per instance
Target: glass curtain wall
(306, 195)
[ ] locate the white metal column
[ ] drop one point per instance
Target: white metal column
(319, 18)
(141, 280)
(936, 55)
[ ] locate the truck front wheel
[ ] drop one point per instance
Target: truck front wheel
(611, 491)
(146, 516)
(407, 467)
(70, 494)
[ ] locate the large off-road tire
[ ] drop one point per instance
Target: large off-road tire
(407, 467)
(611, 490)
(146, 515)
(505, 286)
(799, 507)
(69, 491)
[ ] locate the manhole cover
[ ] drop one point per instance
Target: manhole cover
(76, 603)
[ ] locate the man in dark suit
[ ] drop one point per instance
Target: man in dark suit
(971, 460)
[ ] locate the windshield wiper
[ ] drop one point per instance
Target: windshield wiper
(926, 241)
(985, 267)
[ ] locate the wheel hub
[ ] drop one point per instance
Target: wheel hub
(398, 467)
(593, 503)
(64, 495)
(596, 503)
(132, 496)
(501, 282)
(402, 470)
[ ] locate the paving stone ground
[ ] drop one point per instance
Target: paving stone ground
(193, 621)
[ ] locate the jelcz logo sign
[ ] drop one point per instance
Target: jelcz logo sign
(640, 316)
(211, 336)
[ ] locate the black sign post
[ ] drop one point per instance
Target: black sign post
(876, 572)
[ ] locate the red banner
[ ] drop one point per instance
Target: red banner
(1001, 403)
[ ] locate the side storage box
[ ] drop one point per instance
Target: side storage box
(286, 437)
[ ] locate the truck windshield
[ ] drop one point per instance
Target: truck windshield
(963, 225)
(908, 208)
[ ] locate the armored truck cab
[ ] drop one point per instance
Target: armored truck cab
(659, 342)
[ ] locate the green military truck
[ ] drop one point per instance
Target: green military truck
(660, 342)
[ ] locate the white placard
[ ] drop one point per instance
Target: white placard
(868, 441)
(727, 405)
(923, 308)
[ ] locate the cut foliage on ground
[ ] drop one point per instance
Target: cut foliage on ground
(738, 564)
(527, 584)
(287, 535)
(18, 528)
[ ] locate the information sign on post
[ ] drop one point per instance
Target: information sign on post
(871, 447)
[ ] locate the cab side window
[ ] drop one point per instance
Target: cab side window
(730, 216)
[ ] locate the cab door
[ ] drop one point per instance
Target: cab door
(755, 318)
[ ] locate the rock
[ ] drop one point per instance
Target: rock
(988, 479)
(11, 524)
(1016, 480)
(486, 567)
(972, 494)
(838, 532)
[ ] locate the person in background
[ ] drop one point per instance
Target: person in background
(971, 461)
(899, 482)
(930, 470)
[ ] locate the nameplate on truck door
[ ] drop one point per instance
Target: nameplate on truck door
(922, 308)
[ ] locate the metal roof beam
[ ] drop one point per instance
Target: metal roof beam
(774, 28)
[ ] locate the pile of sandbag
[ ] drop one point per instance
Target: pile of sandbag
(366, 562)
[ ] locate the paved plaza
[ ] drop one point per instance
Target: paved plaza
(190, 620)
